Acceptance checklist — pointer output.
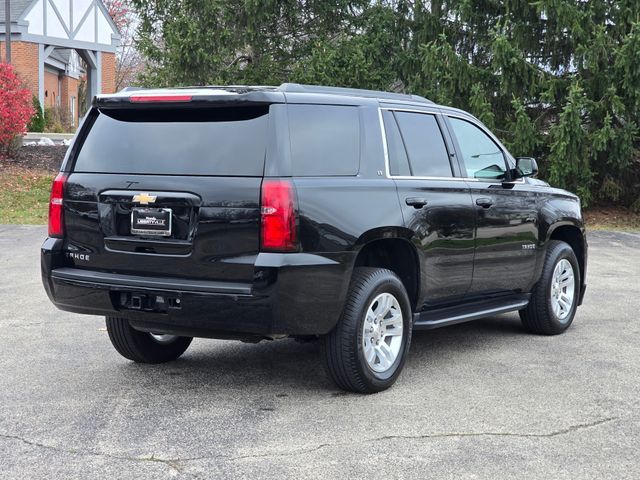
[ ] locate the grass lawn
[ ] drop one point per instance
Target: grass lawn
(24, 199)
(24, 195)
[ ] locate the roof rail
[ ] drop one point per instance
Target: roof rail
(202, 87)
(352, 92)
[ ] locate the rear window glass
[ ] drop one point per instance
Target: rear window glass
(220, 141)
(325, 140)
(398, 161)
(425, 145)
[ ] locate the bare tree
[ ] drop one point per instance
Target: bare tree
(129, 62)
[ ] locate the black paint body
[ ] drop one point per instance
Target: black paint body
(226, 286)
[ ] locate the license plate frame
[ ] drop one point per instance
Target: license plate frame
(151, 221)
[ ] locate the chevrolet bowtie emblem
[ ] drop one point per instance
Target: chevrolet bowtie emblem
(144, 198)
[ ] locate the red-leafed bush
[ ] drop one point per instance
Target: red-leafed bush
(16, 107)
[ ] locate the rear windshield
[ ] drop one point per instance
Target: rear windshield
(216, 141)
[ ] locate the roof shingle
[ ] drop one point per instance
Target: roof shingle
(17, 9)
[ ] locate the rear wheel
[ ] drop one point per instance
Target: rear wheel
(366, 350)
(554, 299)
(144, 347)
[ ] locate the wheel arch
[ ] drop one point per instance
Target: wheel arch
(392, 249)
(575, 237)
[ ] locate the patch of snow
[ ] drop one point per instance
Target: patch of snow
(66, 142)
(44, 141)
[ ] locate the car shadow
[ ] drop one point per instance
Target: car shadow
(291, 366)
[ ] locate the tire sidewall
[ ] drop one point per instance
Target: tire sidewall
(140, 346)
(389, 284)
(564, 253)
(160, 352)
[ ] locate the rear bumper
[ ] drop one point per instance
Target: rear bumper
(291, 294)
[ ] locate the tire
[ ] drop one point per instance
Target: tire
(540, 316)
(344, 348)
(144, 347)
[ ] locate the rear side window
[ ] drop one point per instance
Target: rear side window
(177, 141)
(325, 140)
(425, 145)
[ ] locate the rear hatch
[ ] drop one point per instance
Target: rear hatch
(167, 190)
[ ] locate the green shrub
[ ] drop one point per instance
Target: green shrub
(48, 117)
(57, 120)
(36, 124)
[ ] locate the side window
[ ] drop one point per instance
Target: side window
(398, 161)
(482, 157)
(325, 140)
(428, 156)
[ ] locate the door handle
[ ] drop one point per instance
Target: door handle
(416, 202)
(484, 202)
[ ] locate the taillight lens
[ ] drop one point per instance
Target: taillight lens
(56, 220)
(278, 212)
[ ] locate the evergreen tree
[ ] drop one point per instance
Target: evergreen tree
(36, 124)
(556, 79)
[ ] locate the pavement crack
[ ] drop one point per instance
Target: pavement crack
(172, 463)
(177, 464)
(299, 451)
(554, 433)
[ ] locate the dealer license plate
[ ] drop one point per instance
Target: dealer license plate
(151, 221)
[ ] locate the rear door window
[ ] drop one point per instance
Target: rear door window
(177, 141)
(325, 140)
(424, 144)
(398, 160)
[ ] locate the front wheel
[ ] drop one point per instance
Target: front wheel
(144, 347)
(366, 350)
(554, 299)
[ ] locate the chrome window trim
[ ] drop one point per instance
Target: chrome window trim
(482, 128)
(385, 149)
(427, 110)
(405, 177)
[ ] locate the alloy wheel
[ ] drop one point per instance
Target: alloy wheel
(562, 289)
(382, 333)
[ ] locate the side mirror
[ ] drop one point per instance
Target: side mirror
(526, 166)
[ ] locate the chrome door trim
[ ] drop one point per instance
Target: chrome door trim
(385, 148)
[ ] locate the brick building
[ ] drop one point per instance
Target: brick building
(55, 43)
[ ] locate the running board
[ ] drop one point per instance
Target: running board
(443, 317)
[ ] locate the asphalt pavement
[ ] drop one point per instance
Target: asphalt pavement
(483, 400)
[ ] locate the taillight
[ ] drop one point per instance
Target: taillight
(56, 220)
(278, 212)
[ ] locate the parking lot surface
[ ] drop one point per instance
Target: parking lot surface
(479, 400)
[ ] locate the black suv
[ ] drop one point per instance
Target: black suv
(351, 216)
